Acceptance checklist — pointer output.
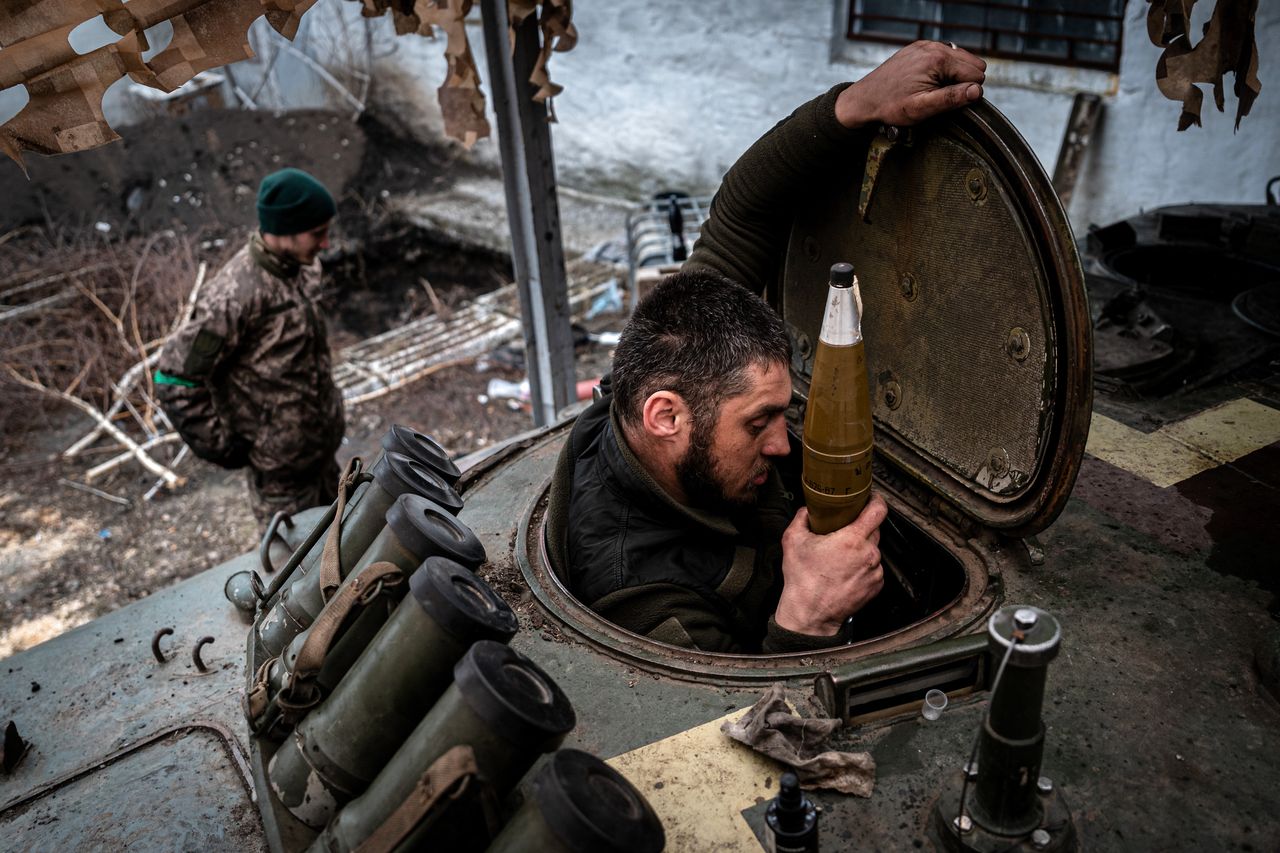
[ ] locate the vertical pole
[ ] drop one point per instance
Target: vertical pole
(529, 177)
(1086, 109)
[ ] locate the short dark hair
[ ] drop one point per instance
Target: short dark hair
(696, 334)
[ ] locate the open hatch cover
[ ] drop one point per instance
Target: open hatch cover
(975, 315)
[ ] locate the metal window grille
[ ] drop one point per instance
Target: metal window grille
(1081, 33)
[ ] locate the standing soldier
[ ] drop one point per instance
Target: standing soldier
(248, 380)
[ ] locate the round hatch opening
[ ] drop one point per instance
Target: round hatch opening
(1207, 272)
(943, 586)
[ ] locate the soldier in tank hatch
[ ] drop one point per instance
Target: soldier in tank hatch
(248, 381)
(667, 515)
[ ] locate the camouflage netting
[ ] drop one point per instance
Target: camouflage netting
(64, 112)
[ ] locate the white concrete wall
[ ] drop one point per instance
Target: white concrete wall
(678, 89)
(666, 94)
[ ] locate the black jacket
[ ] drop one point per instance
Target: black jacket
(630, 552)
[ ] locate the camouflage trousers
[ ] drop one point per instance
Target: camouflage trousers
(293, 491)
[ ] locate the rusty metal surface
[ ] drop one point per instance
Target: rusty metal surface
(1159, 732)
(976, 321)
(192, 779)
(102, 694)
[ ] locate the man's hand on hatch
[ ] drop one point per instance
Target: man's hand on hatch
(916, 83)
(828, 578)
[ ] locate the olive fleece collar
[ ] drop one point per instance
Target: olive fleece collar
(277, 265)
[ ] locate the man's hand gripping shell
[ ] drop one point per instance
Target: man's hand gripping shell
(827, 578)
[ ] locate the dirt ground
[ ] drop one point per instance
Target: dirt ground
(67, 556)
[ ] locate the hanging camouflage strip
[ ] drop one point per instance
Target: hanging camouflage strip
(461, 101)
(65, 89)
(558, 34)
(1228, 45)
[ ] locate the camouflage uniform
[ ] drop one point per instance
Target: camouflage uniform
(248, 381)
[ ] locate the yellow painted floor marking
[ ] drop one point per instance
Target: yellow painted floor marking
(1180, 450)
(707, 780)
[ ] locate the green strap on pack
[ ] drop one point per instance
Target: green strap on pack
(162, 378)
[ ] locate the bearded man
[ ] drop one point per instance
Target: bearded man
(667, 514)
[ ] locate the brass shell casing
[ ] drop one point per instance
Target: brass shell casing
(837, 427)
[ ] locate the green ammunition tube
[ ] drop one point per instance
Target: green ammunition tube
(423, 449)
(300, 602)
(500, 704)
(416, 528)
(581, 805)
(837, 423)
(405, 441)
(428, 531)
(337, 750)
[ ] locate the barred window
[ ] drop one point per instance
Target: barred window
(1082, 33)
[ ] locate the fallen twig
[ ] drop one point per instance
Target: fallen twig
(190, 307)
(71, 389)
(151, 492)
(131, 376)
(171, 479)
(106, 496)
(125, 385)
(441, 310)
(49, 279)
(116, 461)
(40, 304)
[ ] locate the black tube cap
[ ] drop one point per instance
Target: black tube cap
(461, 603)
(427, 529)
(399, 474)
(592, 807)
(842, 275)
(425, 449)
(514, 696)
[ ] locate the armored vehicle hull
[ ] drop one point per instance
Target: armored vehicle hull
(1154, 552)
(1159, 728)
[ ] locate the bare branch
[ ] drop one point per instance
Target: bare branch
(151, 492)
(96, 492)
(116, 461)
(171, 479)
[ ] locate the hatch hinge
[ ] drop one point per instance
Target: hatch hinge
(949, 516)
(886, 139)
(1035, 551)
(1029, 545)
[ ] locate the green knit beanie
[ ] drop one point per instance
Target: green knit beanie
(290, 201)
